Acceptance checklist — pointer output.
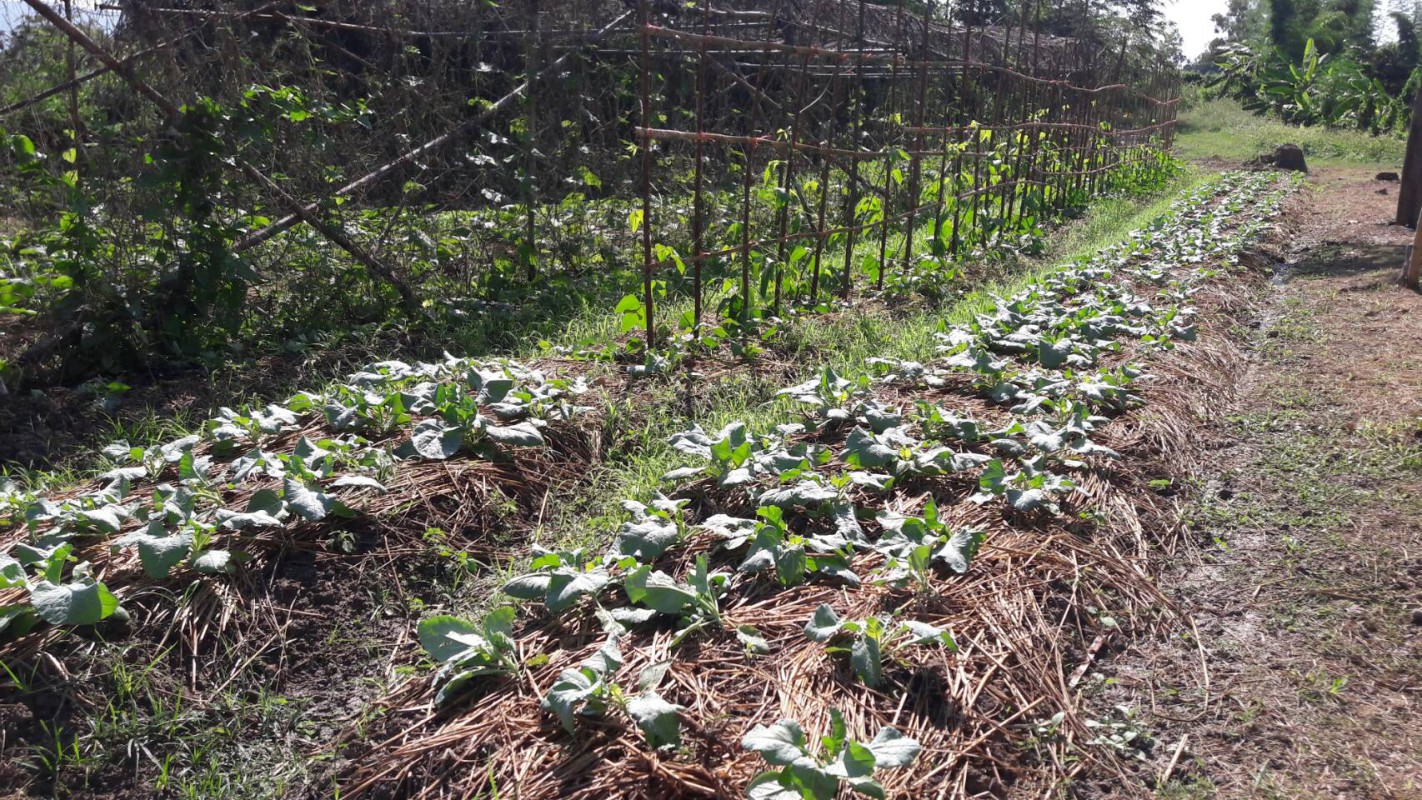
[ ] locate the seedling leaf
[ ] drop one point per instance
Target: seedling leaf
(823, 625)
(892, 749)
(524, 434)
(78, 603)
(751, 638)
(438, 636)
(212, 562)
(781, 744)
(659, 720)
(866, 659)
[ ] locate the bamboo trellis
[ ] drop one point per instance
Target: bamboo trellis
(799, 149)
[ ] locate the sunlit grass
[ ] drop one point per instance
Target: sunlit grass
(1223, 129)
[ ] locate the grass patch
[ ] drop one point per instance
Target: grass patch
(1223, 129)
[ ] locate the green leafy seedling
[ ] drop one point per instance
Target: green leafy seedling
(913, 545)
(771, 545)
(653, 529)
(466, 650)
(560, 579)
(866, 640)
(805, 774)
(696, 603)
(588, 690)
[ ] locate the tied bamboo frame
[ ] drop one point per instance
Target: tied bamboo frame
(936, 113)
(1065, 136)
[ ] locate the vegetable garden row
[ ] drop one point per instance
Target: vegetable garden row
(907, 562)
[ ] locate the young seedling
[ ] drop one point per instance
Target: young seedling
(893, 370)
(913, 545)
(654, 528)
(833, 400)
(806, 774)
(560, 579)
(160, 551)
(1058, 439)
(868, 639)
(466, 650)
(1032, 488)
(696, 603)
(659, 720)
(437, 440)
(589, 691)
(771, 545)
(739, 457)
(900, 452)
(942, 425)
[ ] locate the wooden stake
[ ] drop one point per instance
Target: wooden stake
(1409, 194)
(1175, 759)
(1414, 260)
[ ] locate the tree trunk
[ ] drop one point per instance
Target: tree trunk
(1409, 196)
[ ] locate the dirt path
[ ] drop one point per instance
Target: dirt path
(1307, 587)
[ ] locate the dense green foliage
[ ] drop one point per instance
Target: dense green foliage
(1317, 62)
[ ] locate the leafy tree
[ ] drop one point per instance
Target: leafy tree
(1285, 30)
(1394, 63)
(1242, 22)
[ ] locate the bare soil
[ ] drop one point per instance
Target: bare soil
(1299, 673)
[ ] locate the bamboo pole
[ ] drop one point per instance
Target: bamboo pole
(648, 301)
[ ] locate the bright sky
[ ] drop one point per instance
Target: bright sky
(12, 11)
(1193, 19)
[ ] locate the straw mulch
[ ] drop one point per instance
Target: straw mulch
(1028, 619)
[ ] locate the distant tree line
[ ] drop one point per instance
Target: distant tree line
(1350, 63)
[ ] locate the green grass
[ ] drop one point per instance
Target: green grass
(1223, 129)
